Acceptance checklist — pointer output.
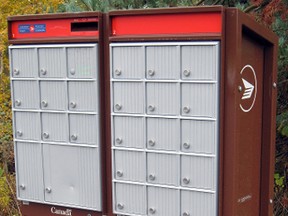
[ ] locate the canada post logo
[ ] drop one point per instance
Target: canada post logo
(31, 28)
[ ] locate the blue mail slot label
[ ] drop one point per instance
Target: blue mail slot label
(33, 28)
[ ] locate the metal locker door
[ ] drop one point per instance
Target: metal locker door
(54, 127)
(129, 165)
(52, 62)
(53, 95)
(80, 96)
(163, 62)
(84, 129)
(198, 136)
(130, 199)
(198, 203)
(162, 99)
(163, 201)
(68, 178)
(129, 132)
(128, 97)
(83, 61)
(199, 62)
(128, 62)
(163, 169)
(199, 100)
(24, 62)
(163, 134)
(29, 171)
(27, 126)
(25, 94)
(198, 172)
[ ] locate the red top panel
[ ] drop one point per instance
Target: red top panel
(55, 28)
(185, 23)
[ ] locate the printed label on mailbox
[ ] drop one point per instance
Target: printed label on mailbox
(35, 28)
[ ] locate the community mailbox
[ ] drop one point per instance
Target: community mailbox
(193, 97)
(55, 67)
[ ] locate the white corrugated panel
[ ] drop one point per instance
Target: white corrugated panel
(26, 94)
(27, 126)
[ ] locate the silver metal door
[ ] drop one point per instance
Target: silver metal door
(25, 94)
(130, 199)
(52, 62)
(84, 129)
(163, 201)
(54, 127)
(53, 95)
(29, 171)
(129, 132)
(80, 98)
(27, 126)
(163, 134)
(24, 62)
(128, 62)
(72, 175)
(129, 165)
(82, 62)
(162, 99)
(163, 169)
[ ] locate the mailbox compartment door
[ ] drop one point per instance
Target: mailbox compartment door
(130, 199)
(24, 62)
(68, 175)
(52, 62)
(29, 171)
(25, 94)
(128, 62)
(53, 95)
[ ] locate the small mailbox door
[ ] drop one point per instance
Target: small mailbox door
(26, 95)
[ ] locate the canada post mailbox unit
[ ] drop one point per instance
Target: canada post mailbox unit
(55, 73)
(193, 97)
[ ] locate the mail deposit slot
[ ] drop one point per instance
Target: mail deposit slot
(55, 81)
(192, 112)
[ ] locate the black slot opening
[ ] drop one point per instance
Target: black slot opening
(84, 26)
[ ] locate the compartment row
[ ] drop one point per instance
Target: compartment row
(194, 136)
(165, 169)
(187, 62)
(55, 95)
(187, 99)
(57, 127)
(54, 62)
(141, 200)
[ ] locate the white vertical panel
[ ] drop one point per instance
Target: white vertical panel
(163, 61)
(56, 126)
(165, 133)
(199, 171)
(129, 97)
(198, 136)
(163, 169)
(72, 174)
(198, 203)
(52, 61)
(84, 129)
(130, 199)
(27, 93)
(53, 95)
(129, 132)
(164, 201)
(200, 99)
(82, 62)
(201, 62)
(83, 96)
(27, 126)
(29, 171)
(24, 62)
(162, 99)
(128, 62)
(129, 165)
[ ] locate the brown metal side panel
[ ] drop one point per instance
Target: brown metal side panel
(249, 118)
